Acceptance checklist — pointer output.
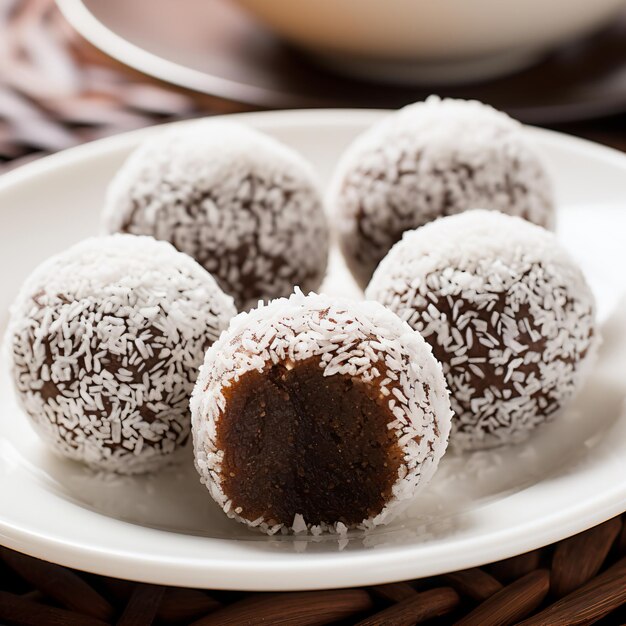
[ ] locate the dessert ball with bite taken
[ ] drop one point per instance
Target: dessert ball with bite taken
(105, 341)
(507, 312)
(318, 414)
(246, 207)
(428, 160)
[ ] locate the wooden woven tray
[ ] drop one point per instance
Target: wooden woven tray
(581, 580)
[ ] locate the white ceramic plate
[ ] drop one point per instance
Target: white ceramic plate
(480, 507)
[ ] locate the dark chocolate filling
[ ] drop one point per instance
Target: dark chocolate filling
(295, 441)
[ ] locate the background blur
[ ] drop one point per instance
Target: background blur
(57, 90)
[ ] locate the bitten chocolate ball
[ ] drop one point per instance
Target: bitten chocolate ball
(428, 160)
(317, 414)
(507, 312)
(105, 341)
(246, 207)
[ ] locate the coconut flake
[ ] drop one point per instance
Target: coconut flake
(528, 355)
(243, 205)
(427, 160)
(105, 340)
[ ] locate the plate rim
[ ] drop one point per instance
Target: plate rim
(304, 571)
(131, 55)
(284, 118)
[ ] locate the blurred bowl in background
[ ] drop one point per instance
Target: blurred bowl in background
(433, 42)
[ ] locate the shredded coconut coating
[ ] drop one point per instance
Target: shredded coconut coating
(104, 343)
(431, 159)
(243, 205)
(508, 313)
(357, 339)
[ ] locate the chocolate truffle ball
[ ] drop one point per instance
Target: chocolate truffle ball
(507, 312)
(428, 160)
(317, 414)
(243, 205)
(105, 341)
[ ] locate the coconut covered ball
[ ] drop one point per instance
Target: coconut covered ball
(428, 160)
(507, 312)
(105, 341)
(318, 414)
(243, 205)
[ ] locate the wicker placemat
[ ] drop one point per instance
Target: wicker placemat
(56, 92)
(581, 580)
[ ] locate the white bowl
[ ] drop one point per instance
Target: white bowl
(434, 41)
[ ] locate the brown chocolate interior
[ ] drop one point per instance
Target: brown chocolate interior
(295, 441)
